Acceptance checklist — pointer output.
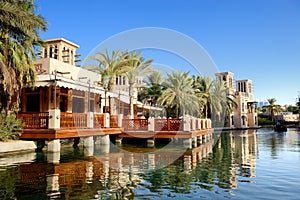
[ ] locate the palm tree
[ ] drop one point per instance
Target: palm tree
(153, 88)
(214, 98)
(272, 108)
(109, 66)
(19, 37)
(206, 93)
(138, 67)
(179, 94)
(155, 78)
(224, 100)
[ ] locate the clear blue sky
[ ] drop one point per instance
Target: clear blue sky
(257, 39)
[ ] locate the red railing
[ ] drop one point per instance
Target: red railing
(34, 120)
(73, 120)
(98, 120)
(135, 124)
(113, 121)
(168, 125)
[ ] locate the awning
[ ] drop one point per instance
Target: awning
(122, 97)
(252, 102)
(140, 105)
(48, 80)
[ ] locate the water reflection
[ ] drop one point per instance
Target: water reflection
(215, 169)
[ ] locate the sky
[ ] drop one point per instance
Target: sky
(257, 40)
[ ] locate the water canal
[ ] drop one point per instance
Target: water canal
(252, 164)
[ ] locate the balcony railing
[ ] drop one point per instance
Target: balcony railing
(135, 124)
(73, 120)
(168, 125)
(113, 121)
(98, 120)
(34, 120)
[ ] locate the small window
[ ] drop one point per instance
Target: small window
(55, 52)
(51, 52)
(124, 80)
(45, 53)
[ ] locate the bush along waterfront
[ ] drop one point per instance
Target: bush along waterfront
(10, 126)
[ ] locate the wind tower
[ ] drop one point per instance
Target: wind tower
(227, 78)
(246, 110)
(60, 49)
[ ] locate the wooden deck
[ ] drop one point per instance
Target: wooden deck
(66, 133)
(164, 134)
(73, 125)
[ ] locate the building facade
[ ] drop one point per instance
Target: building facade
(62, 84)
(244, 115)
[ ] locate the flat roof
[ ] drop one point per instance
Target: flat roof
(64, 40)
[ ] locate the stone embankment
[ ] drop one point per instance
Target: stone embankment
(16, 146)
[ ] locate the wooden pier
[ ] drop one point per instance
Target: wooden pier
(31, 134)
(91, 126)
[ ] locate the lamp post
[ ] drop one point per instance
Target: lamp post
(55, 84)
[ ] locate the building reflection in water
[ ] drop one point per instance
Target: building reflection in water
(117, 174)
(240, 149)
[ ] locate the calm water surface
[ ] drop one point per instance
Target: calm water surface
(253, 164)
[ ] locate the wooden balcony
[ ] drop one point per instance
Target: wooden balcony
(77, 125)
(71, 125)
(168, 125)
(34, 120)
(135, 124)
(73, 120)
(98, 120)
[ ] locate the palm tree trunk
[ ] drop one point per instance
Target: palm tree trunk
(131, 101)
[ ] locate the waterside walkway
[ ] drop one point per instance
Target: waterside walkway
(91, 128)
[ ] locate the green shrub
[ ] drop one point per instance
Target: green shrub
(10, 126)
(264, 121)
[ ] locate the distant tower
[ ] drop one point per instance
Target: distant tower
(227, 77)
(60, 49)
(245, 86)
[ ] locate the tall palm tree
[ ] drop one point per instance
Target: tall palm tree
(272, 108)
(19, 37)
(206, 95)
(214, 97)
(153, 88)
(179, 94)
(225, 101)
(154, 82)
(155, 78)
(109, 66)
(138, 66)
